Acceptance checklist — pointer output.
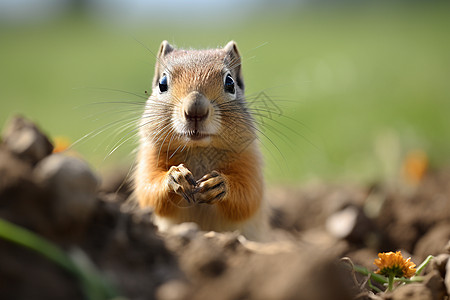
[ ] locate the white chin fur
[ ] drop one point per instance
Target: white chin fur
(201, 142)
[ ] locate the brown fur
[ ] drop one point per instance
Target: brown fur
(237, 172)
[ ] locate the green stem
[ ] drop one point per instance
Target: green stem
(25, 238)
(377, 277)
(94, 286)
(423, 265)
(409, 280)
(369, 282)
(390, 282)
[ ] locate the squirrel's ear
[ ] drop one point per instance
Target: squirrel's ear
(231, 50)
(235, 61)
(164, 49)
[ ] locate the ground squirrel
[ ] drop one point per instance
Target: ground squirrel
(199, 159)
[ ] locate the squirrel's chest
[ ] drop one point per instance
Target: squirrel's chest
(202, 160)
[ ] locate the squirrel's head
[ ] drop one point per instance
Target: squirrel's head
(197, 98)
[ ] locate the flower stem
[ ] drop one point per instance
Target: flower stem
(377, 277)
(409, 280)
(390, 282)
(423, 265)
(369, 282)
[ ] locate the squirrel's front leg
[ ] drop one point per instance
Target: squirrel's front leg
(211, 188)
(163, 190)
(237, 196)
(181, 181)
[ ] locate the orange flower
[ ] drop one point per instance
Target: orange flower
(391, 263)
(61, 144)
(415, 166)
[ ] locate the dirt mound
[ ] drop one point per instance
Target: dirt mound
(111, 250)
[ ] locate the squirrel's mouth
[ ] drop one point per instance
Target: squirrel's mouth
(196, 135)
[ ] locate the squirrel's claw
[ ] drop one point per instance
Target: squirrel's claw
(187, 197)
(211, 188)
(182, 182)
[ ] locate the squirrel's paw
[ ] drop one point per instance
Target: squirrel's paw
(181, 181)
(211, 188)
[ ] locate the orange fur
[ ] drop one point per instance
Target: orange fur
(245, 184)
(163, 133)
(242, 173)
(151, 187)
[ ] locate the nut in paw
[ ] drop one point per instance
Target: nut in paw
(181, 182)
(211, 188)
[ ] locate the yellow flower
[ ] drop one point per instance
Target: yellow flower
(61, 143)
(391, 263)
(415, 166)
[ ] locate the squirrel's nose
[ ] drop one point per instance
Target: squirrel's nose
(196, 107)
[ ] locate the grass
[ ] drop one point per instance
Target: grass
(364, 85)
(93, 284)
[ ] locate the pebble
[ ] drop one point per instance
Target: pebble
(435, 283)
(412, 291)
(349, 223)
(25, 140)
(187, 230)
(439, 262)
(71, 183)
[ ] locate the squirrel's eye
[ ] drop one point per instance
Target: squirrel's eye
(163, 84)
(229, 84)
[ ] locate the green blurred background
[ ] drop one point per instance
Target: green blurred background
(350, 86)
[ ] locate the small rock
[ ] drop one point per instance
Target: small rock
(447, 247)
(173, 290)
(411, 292)
(434, 282)
(72, 184)
(439, 263)
(22, 201)
(227, 240)
(187, 230)
(349, 223)
(342, 223)
(434, 241)
(178, 236)
(24, 139)
(12, 170)
(204, 258)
